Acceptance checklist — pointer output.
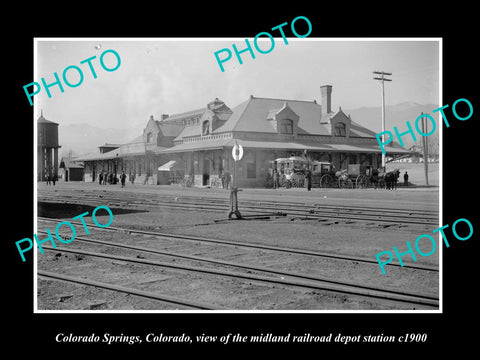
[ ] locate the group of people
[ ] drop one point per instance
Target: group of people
(226, 180)
(51, 178)
(105, 178)
(305, 171)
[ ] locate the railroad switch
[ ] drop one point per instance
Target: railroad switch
(234, 204)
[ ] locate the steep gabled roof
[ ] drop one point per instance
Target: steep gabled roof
(170, 129)
(360, 131)
(190, 130)
(42, 120)
(234, 118)
(68, 163)
(252, 116)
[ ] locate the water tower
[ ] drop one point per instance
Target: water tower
(47, 155)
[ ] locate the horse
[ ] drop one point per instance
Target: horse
(391, 179)
(374, 178)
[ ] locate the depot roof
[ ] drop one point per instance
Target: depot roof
(252, 116)
(280, 145)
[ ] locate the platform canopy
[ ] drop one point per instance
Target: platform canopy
(282, 145)
(167, 166)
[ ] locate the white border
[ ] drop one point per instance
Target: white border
(93, 39)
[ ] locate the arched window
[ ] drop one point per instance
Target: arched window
(340, 129)
(286, 127)
(206, 127)
(149, 138)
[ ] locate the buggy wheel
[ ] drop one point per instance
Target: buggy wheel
(361, 182)
(294, 181)
(301, 182)
(326, 181)
(298, 181)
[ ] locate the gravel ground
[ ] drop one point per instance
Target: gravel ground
(355, 239)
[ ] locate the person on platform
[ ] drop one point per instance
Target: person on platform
(405, 179)
(227, 180)
(222, 178)
(308, 178)
(276, 184)
(122, 178)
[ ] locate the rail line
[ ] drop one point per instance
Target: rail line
(304, 280)
(128, 290)
(313, 211)
(296, 280)
(262, 264)
(286, 250)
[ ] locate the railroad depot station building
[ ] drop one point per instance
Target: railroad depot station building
(198, 143)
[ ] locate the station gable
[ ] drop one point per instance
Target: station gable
(284, 120)
(340, 124)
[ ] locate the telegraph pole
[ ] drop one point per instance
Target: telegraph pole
(383, 79)
(425, 147)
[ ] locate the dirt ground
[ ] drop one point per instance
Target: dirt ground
(336, 237)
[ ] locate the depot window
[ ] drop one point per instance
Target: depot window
(286, 127)
(206, 127)
(340, 129)
(149, 138)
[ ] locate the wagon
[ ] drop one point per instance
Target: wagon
(323, 174)
(292, 172)
(356, 175)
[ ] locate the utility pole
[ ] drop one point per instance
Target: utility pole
(383, 79)
(425, 146)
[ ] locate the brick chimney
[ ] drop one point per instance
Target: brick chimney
(326, 91)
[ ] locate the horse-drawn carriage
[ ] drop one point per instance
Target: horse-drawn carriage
(289, 171)
(292, 171)
(356, 175)
(362, 176)
(323, 174)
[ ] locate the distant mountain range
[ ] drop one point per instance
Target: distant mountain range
(396, 115)
(83, 138)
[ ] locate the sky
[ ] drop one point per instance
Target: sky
(174, 75)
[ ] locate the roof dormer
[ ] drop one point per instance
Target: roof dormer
(340, 124)
(284, 120)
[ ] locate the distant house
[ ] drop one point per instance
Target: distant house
(70, 170)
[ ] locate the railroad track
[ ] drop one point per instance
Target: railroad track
(184, 303)
(249, 245)
(242, 270)
(305, 211)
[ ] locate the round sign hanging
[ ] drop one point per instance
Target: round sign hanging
(237, 152)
